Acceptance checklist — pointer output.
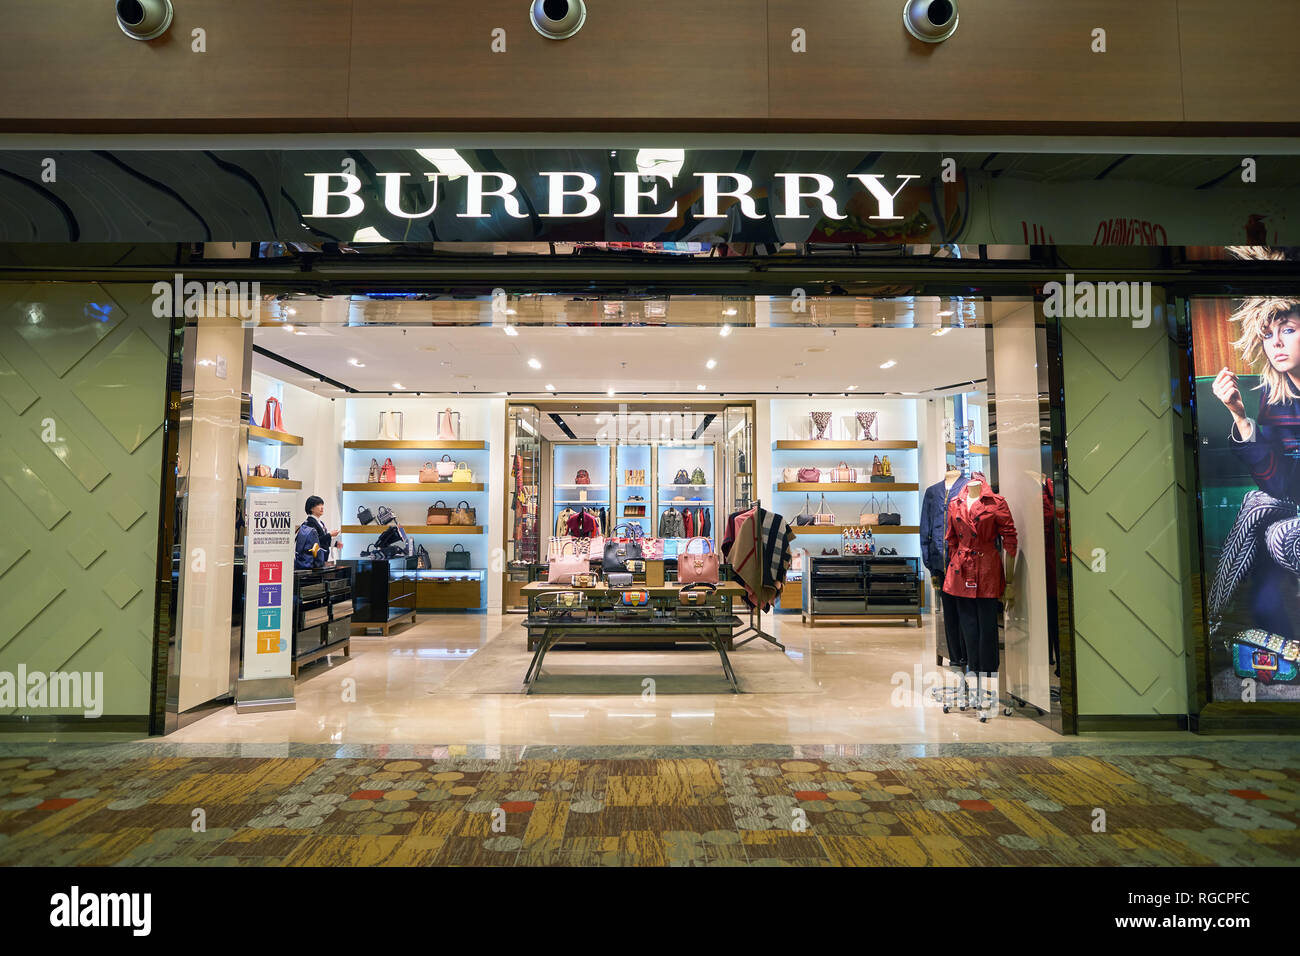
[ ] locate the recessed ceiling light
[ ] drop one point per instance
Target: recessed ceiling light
(288, 328)
(428, 348)
(444, 362)
(817, 348)
(890, 364)
(711, 363)
(398, 385)
(941, 331)
(852, 388)
(724, 331)
(291, 310)
(610, 393)
(533, 363)
(799, 365)
(728, 311)
(511, 330)
(699, 388)
(353, 362)
(549, 388)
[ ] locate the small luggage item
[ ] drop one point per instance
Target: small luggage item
(464, 515)
(390, 426)
(696, 593)
(824, 515)
(697, 477)
(619, 579)
(809, 475)
(844, 473)
(821, 422)
(281, 473)
(364, 515)
(457, 559)
(867, 422)
(271, 417)
(445, 468)
(681, 478)
(805, 516)
(423, 561)
(562, 567)
(388, 472)
(373, 477)
(462, 474)
(582, 478)
(701, 567)
(439, 513)
(385, 515)
(428, 474)
(584, 579)
(790, 474)
(448, 425)
(870, 513)
(888, 517)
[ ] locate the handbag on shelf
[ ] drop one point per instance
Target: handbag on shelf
(457, 559)
(388, 472)
(790, 474)
(637, 598)
(582, 478)
(821, 422)
(385, 515)
(697, 477)
(701, 567)
(617, 553)
(809, 475)
(805, 517)
(373, 477)
(439, 513)
(823, 516)
(681, 478)
(445, 468)
(464, 515)
(272, 419)
(364, 515)
(867, 422)
(696, 593)
(261, 471)
(843, 473)
(281, 473)
(634, 511)
(562, 567)
(448, 425)
(584, 579)
(390, 426)
(423, 560)
(619, 579)
(462, 473)
(428, 474)
(888, 517)
(872, 517)
(878, 475)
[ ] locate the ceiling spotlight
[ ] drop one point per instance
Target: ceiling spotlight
(549, 388)
(558, 19)
(511, 330)
(728, 311)
(931, 21)
(699, 388)
(533, 363)
(724, 331)
(398, 385)
(941, 331)
(144, 19)
(610, 393)
(852, 388)
(355, 364)
(890, 364)
(711, 363)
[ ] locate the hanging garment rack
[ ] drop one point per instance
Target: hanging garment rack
(754, 627)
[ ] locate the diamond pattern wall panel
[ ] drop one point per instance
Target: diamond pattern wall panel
(1125, 500)
(83, 389)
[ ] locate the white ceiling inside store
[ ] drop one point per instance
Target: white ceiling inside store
(590, 361)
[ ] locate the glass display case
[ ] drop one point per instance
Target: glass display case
(685, 474)
(580, 481)
(737, 459)
(634, 499)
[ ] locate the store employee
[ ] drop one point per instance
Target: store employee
(312, 548)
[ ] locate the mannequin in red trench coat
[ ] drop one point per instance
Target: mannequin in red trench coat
(977, 570)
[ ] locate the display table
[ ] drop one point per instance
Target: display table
(600, 620)
(323, 606)
(385, 594)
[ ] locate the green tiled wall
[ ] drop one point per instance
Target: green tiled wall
(84, 365)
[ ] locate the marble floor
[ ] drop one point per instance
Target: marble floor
(859, 690)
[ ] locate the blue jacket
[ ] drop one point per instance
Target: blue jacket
(934, 514)
(308, 535)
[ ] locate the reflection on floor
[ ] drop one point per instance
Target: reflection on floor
(833, 686)
(109, 805)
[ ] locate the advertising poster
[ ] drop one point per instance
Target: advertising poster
(1247, 367)
(268, 598)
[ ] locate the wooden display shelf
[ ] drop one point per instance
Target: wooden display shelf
(831, 445)
(840, 529)
(288, 483)
(431, 486)
(272, 437)
(417, 529)
(426, 445)
(839, 486)
(973, 449)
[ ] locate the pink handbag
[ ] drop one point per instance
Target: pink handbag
(560, 570)
(809, 474)
(699, 568)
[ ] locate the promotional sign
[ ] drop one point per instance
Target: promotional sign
(1247, 366)
(268, 597)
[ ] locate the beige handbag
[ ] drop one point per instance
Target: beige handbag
(790, 474)
(439, 513)
(824, 516)
(462, 473)
(866, 517)
(464, 515)
(428, 474)
(843, 473)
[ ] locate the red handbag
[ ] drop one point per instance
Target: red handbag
(388, 472)
(271, 417)
(809, 474)
(582, 478)
(699, 568)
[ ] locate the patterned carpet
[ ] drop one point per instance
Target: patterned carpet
(92, 806)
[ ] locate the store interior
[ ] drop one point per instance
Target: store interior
(490, 442)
